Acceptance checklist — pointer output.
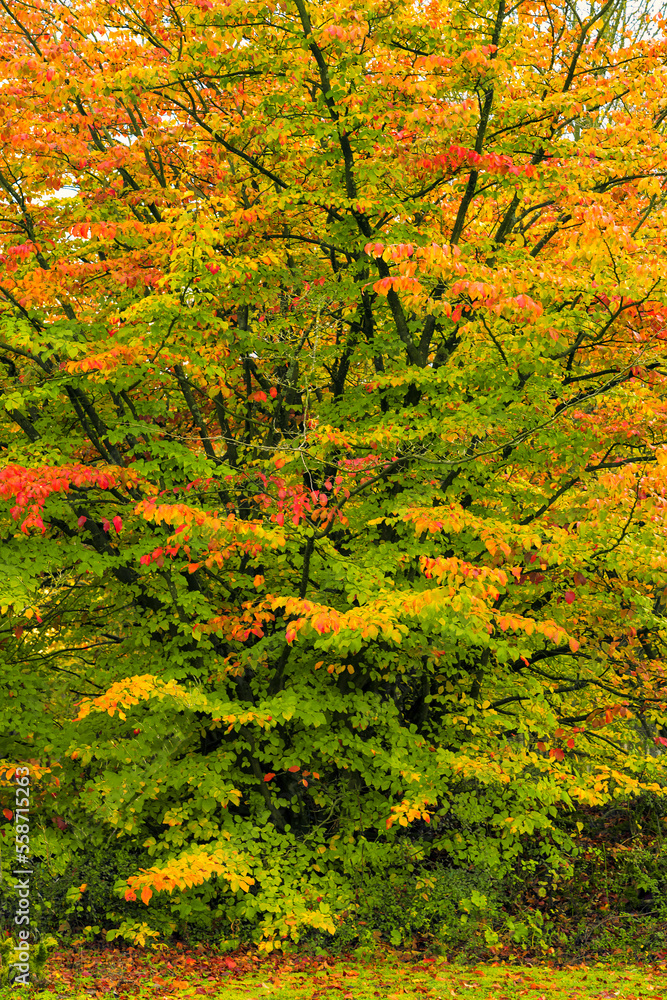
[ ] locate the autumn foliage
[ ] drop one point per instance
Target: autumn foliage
(334, 434)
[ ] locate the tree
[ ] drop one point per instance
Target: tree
(333, 431)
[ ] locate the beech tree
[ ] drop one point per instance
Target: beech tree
(333, 433)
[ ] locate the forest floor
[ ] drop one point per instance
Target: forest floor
(109, 974)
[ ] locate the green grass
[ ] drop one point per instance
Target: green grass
(308, 979)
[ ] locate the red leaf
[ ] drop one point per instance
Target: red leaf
(7, 813)
(82, 520)
(660, 741)
(269, 776)
(570, 744)
(556, 753)
(295, 767)
(118, 524)
(569, 596)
